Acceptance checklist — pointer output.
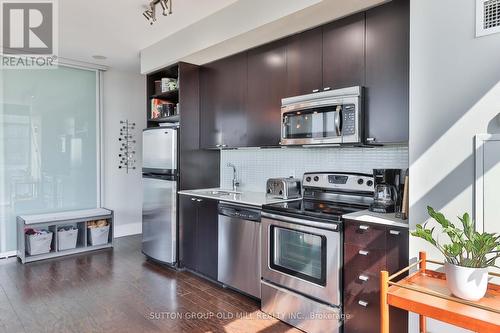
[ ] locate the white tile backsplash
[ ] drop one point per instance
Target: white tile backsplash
(255, 166)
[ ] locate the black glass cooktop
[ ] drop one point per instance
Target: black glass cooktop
(313, 208)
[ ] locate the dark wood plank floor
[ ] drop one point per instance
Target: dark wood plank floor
(119, 291)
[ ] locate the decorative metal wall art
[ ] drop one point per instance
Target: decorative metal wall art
(126, 156)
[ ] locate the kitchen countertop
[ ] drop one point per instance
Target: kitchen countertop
(256, 199)
(379, 218)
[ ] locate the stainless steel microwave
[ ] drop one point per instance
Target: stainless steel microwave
(329, 117)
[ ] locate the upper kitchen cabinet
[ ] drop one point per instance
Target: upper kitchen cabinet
(387, 72)
(266, 87)
(344, 53)
(198, 168)
(223, 89)
(304, 63)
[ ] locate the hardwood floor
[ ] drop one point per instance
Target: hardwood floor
(119, 291)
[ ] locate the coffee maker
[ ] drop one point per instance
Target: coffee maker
(387, 195)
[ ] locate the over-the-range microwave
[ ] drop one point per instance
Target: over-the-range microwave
(325, 118)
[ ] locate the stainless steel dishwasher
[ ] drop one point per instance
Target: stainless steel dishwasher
(239, 248)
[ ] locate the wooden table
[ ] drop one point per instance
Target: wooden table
(425, 293)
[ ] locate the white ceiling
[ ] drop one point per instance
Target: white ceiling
(117, 29)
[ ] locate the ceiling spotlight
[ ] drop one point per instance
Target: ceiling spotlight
(150, 14)
(166, 5)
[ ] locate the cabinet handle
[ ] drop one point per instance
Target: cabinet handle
(363, 303)
(363, 252)
(371, 139)
(394, 232)
(327, 88)
(363, 278)
(364, 227)
(193, 199)
(315, 90)
(199, 200)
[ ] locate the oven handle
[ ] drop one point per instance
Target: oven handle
(309, 223)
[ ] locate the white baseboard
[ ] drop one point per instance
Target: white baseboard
(8, 254)
(127, 230)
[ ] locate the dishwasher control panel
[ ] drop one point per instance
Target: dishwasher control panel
(240, 212)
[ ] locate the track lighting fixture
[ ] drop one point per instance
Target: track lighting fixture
(150, 13)
(166, 5)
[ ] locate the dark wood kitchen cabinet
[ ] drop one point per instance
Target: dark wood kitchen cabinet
(387, 72)
(188, 220)
(240, 94)
(266, 87)
(198, 168)
(344, 53)
(368, 249)
(207, 238)
(198, 221)
(223, 89)
(304, 63)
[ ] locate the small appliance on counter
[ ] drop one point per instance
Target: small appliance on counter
(388, 190)
(283, 188)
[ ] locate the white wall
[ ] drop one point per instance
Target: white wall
(124, 97)
(255, 166)
(454, 94)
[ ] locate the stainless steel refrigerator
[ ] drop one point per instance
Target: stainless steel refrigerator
(159, 206)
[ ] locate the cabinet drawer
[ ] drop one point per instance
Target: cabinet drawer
(359, 258)
(359, 283)
(364, 317)
(366, 235)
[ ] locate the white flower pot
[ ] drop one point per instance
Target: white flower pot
(466, 283)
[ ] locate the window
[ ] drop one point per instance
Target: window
(49, 144)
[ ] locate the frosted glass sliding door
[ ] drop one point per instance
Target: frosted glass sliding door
(49, 144)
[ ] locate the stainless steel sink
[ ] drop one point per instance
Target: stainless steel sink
(221, 193)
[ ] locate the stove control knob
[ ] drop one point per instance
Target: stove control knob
(308, 179)
(369, 183)
(316, 178)
(360, 181)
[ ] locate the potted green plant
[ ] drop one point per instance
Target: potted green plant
(468, 255)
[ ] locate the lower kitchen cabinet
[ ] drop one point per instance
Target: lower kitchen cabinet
(188, 220)
(198, 220)
(368, 249)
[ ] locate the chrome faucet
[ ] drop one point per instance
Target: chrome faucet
(235, 181)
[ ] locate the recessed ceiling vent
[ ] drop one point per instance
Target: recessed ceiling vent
(487, 17)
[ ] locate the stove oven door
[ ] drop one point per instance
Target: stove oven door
(303, 256)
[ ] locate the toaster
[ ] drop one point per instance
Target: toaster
(283, 188)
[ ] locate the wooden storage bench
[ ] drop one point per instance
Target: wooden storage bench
(55, 221)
